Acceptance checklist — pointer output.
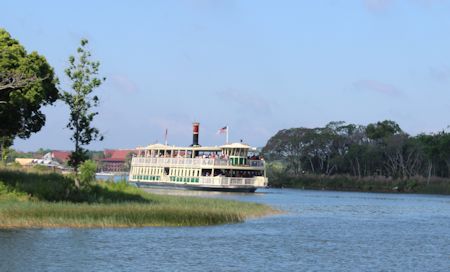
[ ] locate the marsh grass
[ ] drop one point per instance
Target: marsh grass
(34, 200)
(37, 215)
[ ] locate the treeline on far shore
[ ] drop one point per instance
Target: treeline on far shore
(379, 157)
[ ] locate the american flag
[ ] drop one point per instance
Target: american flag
(222, 130)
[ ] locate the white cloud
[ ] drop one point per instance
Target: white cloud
(377, 87)
(123, 83)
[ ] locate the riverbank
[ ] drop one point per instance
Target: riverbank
(417, 185)
(42, 200)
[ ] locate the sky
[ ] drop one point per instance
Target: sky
(256, 66)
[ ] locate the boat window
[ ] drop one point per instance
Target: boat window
(206, 172)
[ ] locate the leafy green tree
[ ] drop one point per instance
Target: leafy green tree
(27, 82)
(381, 130)
(444, 148)
(84, 76)
(378, 150)
(87, 172)
(6, 142)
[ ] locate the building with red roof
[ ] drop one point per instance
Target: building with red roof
(115, 160)
(60, 156)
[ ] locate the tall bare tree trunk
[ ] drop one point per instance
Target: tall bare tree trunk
(430, 167)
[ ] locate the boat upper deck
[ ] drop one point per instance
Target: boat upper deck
(203, 162)
(226, 156)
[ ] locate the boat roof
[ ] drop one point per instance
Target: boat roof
(173, 147)
(236, 145)
(196, 148)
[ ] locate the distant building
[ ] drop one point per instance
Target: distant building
(115, 160)
(60, 156)
(50, 161)
(24, 161)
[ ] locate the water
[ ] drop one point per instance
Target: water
(116, 177)
(321, 231)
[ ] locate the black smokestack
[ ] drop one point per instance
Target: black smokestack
(195, 130)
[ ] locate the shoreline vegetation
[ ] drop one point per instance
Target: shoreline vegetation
(378, 157)
(416, 185)
(30, 199)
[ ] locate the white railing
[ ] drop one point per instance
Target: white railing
(143, 161)
(229, 181)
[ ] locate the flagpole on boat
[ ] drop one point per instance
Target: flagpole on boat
(228, 128)
(165, 137)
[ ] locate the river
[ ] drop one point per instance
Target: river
(320, 231)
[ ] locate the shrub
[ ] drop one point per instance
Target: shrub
(41, 168)
(87, 172)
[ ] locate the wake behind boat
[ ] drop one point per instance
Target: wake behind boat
(231, 167)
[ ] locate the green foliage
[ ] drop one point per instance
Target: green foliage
(378, 150)
(382, 130)
(15, 165)
(83, 73)
(168, 211)
(10, 194)
(46, 186)
(56, 203)
(365, 184)
(5, 143)
(27, 83)
(41, 168)
(87, 172)
(78, 156)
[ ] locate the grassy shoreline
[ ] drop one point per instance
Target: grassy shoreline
(418, 185)
(37, 200)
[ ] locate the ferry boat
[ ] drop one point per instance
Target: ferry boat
(230, 167)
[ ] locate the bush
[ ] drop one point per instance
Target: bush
(87, 172)
(41, 168)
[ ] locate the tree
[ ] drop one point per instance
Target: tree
(27, 82)
(382, 130)
(84, 76)
(430, 146)
(288, 145)
(87, 171)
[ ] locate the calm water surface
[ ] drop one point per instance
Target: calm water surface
(321, 231)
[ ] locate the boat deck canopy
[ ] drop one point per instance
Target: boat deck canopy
(173, 147)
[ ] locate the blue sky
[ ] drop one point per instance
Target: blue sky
(257, 66)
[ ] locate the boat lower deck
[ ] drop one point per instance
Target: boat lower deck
(243, 189)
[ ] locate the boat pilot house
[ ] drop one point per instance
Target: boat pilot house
(230, 167)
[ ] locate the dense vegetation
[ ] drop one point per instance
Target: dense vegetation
(27, 82)
(377, 157)
(34, 199)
